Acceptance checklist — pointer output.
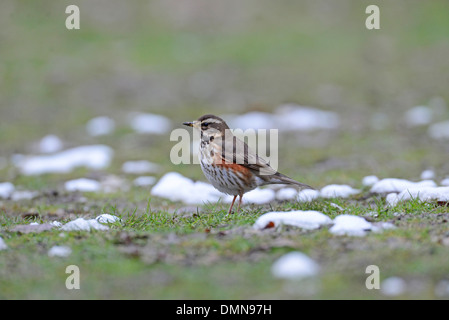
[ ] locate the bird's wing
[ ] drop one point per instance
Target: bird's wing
(237, 151)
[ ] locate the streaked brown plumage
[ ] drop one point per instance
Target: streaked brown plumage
(229, 164)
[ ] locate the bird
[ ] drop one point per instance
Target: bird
(229, 164)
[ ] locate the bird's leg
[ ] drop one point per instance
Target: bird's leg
(240, 202)
(230, 209)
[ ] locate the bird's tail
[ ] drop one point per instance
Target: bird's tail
(279, 178)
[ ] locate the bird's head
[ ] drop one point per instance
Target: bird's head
(209, 125)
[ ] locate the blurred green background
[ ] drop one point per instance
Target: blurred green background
(185, 58)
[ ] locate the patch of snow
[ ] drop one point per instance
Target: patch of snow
(307, 195)
(294, 117)
(389, 185)
(3, 245)
(286, 194)
(425, 194)
(6, 189)
(139, 167)
(428, 174)
(393, 286)
(286, 117)
(351, 225)
(294, 265)
(83, 185)
(445, 182)
(338, 191)
(419, 116)
(24, 195)
(251, 120)
(392, 199)
(59, 251)
(107, 218)
(50, 144)
(56, 224)
(176, 187)
(100, 126)
(302, 219)
(259, 196)
(149, 123)
(369, 181)
(144, 181)
(439, 130)
(81, 224)
(93, 157)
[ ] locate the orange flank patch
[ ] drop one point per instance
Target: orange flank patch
(234, 166)
(247, 174)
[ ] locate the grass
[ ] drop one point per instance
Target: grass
(210, 255)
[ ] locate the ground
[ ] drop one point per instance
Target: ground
(183, 61)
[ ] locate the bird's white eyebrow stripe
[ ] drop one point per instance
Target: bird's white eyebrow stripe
(212, 120)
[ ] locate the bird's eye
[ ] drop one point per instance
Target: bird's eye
(205, 124)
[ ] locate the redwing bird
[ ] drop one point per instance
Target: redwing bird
(229, 164)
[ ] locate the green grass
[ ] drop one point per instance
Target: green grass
(210, 255)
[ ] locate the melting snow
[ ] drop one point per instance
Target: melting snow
(285, 117)
(393, 286)
(398, 185)
(369, 181)
(286, 194)
(176, 187)
(6, 189)
(251, 120)
(3, 245)
(257, 196)
(149, 123)
(302, 219)
(338, 191)
(295, 117)
(428, 174)
(351, 225)
(59, 251)
(144, 181)
(107, 218)
(100, 126)
(307, 195)
(425, 194)
(294, 265)
(23, 195)
(439, 131)
(81, 224)
(50, 144)
(418, 116)
(83, 185)
(93, 157)
(139, 167)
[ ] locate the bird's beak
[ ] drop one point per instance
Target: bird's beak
(195, 124)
